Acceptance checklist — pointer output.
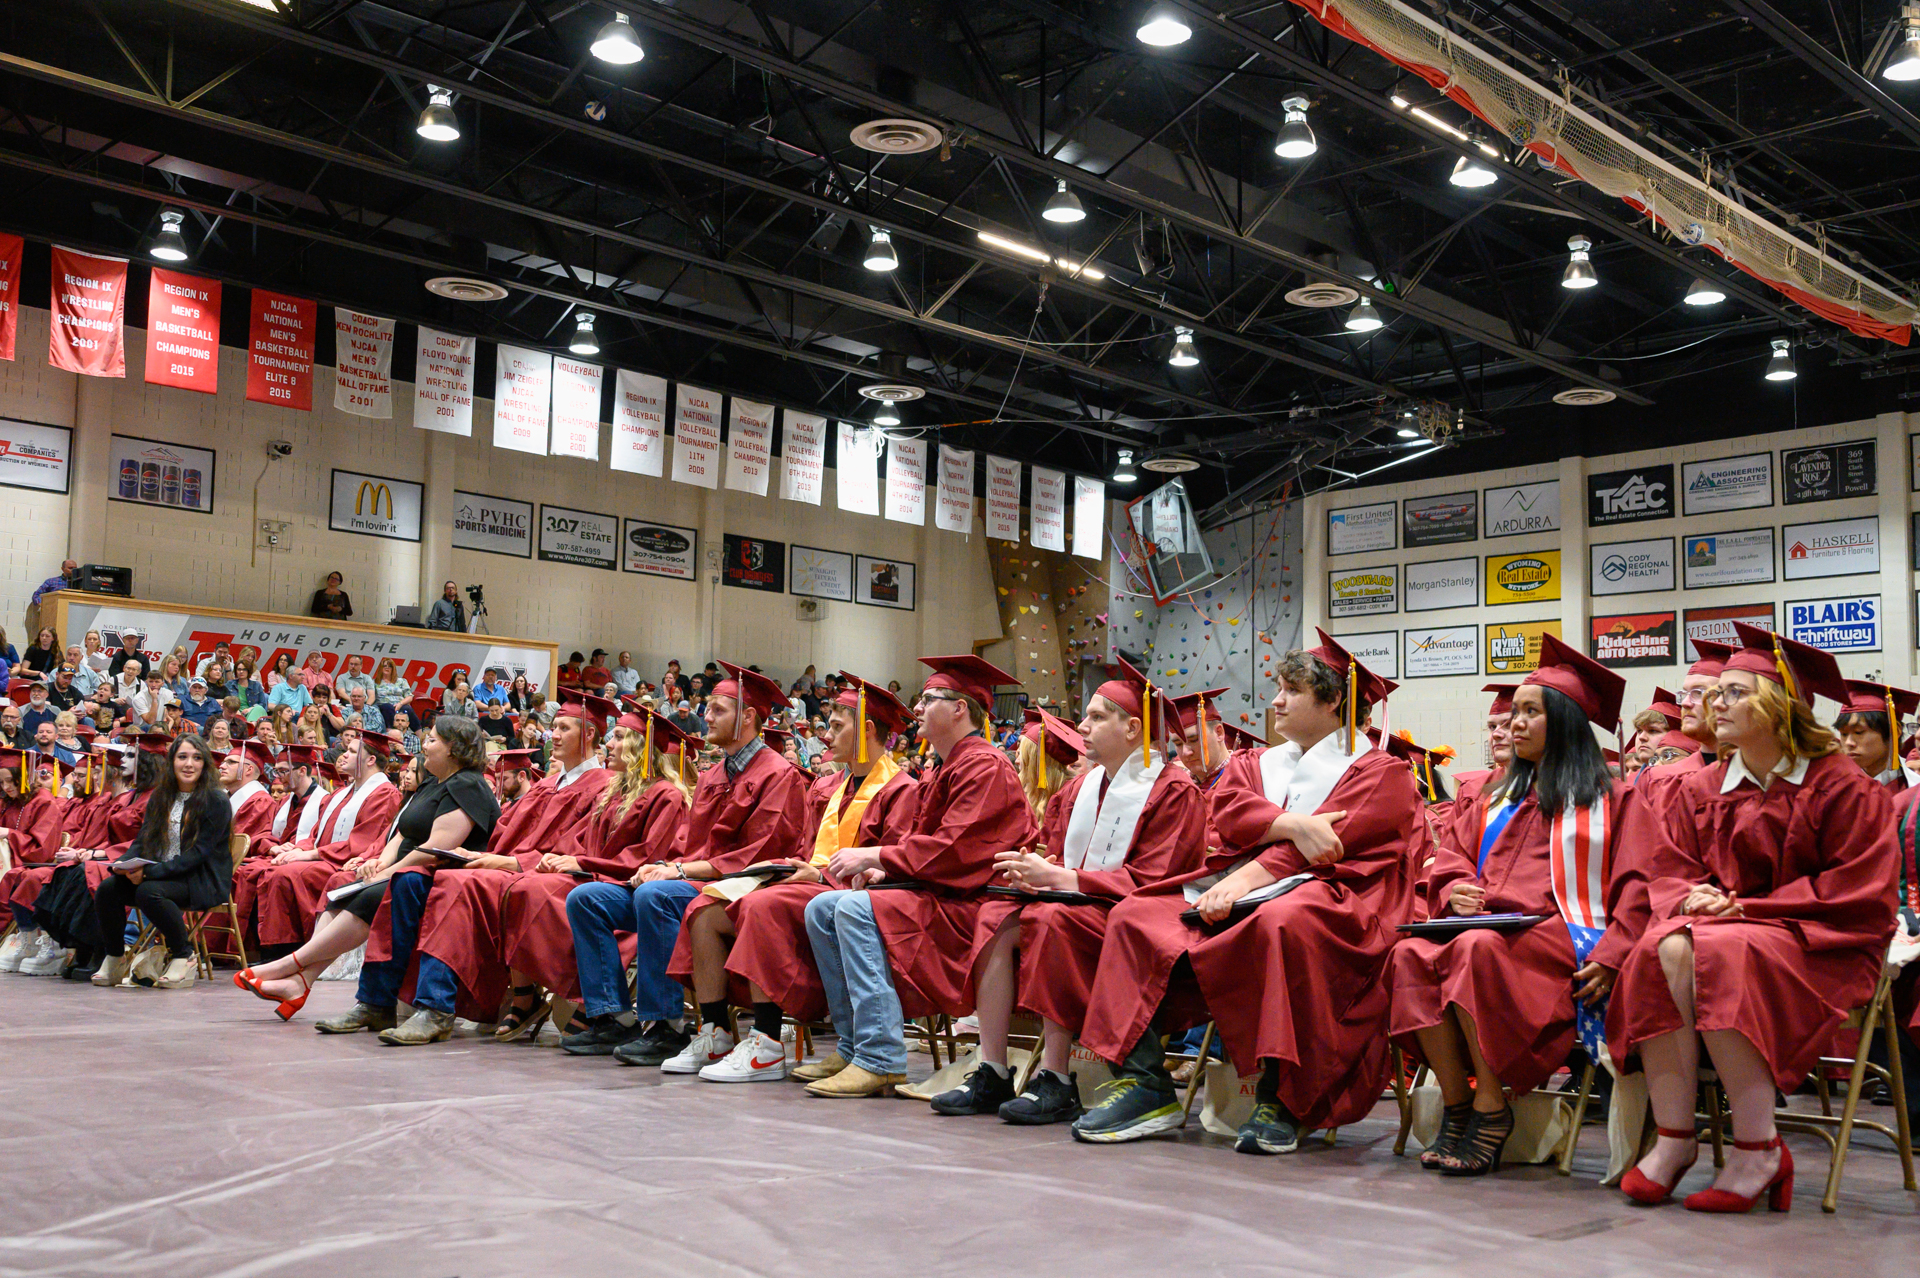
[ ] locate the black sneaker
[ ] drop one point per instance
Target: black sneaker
(1129, 1110)
(1047, 1099)
(984, 1092)
(661, 1043)
(1270, 1129)
(601, 1036)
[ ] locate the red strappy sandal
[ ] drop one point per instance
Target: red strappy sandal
(1778, 1192)
(1643, 1188)
(284, 1008)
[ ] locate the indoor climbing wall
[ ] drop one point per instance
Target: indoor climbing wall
(1053, 612)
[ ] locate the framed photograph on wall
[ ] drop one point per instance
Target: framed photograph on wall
(884, 583)
(152, 472)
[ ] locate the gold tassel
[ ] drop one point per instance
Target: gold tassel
(861, 726)
(1353, 707)
(1893, 733)
(1426, 769)
(1043, 755)
(1146, 727)
(1786, 671)
(646, 753)
(1206, 765)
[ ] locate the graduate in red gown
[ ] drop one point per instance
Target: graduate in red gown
(1132, 818)
(886, 953)
(1557, 837)
(1200, 738)
(294, 819)
(352, 827)
(1050, 754)
(1499, 745)
(1318, 833)
(33, 841)
(242, 770)
(1869, 730)
(1770, 922)
(760, 939)
(1659, 782)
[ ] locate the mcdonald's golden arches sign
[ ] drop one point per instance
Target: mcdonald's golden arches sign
(375, 506)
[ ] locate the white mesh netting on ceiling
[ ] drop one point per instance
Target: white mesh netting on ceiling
(1568, 139)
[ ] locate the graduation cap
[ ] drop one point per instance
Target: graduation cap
(325, 767)
(257, 753)
(1364, 687)
(154, 742)
(1713, 658)
(1196, 709)
(749, 688)
(586, 707)
(12, 757)
(1866, 697)
(1805, 672)
(1055, 736)
(1421, 758)
(1134, 693)
(1677, 740)
(1238, 738)
(968, 674)
(516, 760)
(1594, 688)
(1668, 705)
(658, 732)
(378, 742)
(1502, 697)
(778, 738)
(869, 700)
(303, 756)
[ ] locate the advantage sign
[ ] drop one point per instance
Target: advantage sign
(1629, 496)
(1529, 578)
(1633, 639)
(1448, 650)
(1630, 567)
(1433, 521)
(1514, 647)
(1523, 508)
(1845, 623)
(1829, 472)
(1357, 528)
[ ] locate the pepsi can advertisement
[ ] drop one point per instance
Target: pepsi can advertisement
(129, 479)
(190, 488)
(150, 481)
(170, 484)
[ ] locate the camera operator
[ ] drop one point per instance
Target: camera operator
(448, 613)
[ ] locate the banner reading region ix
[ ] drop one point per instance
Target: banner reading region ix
(576, 409)
(522, 395)
(443, 383)
(11, 248)
(280, 350)
(86, 332)
(907, 481)
(183, 331)
(953, 508)
(639, 424)
(750, 451)
(803, 463)
(1003, 498)
(696, 436)
(362, 364)
(1049, 509)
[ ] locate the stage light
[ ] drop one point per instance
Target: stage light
(1123, 473)
(168, 244)
(887, 416)
(1704, 293)
(1363, 318)
(1470, 172)
(617, 43)
(438, 123)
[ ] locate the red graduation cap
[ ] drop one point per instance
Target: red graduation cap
(1238, 738)
(1061, 741)
(865, 697)
(1369, 688)
(1804, 671)
(967, 674)
(658, 732)
(749, 687)
(378, 742)
(1189, 708)
(778, 738)
(586, 707)
(1668, 705)
(518, 760)
(154, 742)
(1713, 658)
(1677, 740)
(303, 756)
(1502, 697)
(1594, 688)
(1865, 697)
(258, 754)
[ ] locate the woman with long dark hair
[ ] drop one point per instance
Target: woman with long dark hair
(179, 861)
(1495, 1012)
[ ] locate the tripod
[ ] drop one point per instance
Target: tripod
(478, 624)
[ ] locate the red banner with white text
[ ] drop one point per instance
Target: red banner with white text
(12, 247)
(280, 350)
(183, 331)
(87, 332)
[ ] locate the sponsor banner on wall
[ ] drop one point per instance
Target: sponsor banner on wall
(1003, 498)
(87, 327)
(579, 537)
(1089, 517)
(1840, 623)
(12, 248)
(803, 457)
(575, 431)
(1523, 508)
(1530, 577)
(1378, 651)
(820, 574)
(1443, 583)
(884, 583)
(1913, 444)
(696, 436)
(953, 502)
(639, 424)
(443, 383)
(1630, 567)
(374, 506)
(1444, 650)
(907, 481)
(362, 364)
(1048, 509)
(280, 336)
(1727, 483)
(1743, 557)
(1635, 639)
(754, 563)
(1716, 625)
(856, 463)
(1629, 496)
(36, 456)
(749, 446)
(155, 473)
(522, 399)
(659, 550)
(1353, 529)
(1513, 647)
(1836, 548)
(1363, 591)
(183, 331)
(427, 659)
(493, 525)
(1434, 521)
(1828, 472)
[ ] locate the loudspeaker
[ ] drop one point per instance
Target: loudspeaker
(103, 579)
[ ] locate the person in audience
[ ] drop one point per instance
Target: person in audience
(390, 691)
(63, 692)
(595, 674)
(1771, 919)
(314, 672)
(222, 654)
(129, 650)
(9, 655)
(491, 691)
(458, 699)
(215, 676)
(409, 738)
(39, 660)
(354, 676)
(330, 601)
(289, 688)
(1868, 729)
(96, 657)
(448, 612)
(625, 677)
(360, 713)
(1493, 1012)
(519, 698)
(280, 724)
(243, 683)
(11, 733)
(454, 810)
(147, 708)
(327, 711)
(686, 721)
(892, 954)
(69, 572)
(172, 678)
(219, 734)
(542, 709)
(494, 721)
(198, 709)
(84, 678)
(66, 746)
(281, 670)
(569, 674)
(179, 861)
(37, 711)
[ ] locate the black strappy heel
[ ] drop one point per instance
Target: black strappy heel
(1453, 1126)
(1481, 1146)
(518, 1022)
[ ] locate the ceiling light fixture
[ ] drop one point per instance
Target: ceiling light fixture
(1363, 318)
(1704, 293)
(1780, 364)
(617, 43)
(1163, 28)
(887, 416)
(1296, 140)
(1904, 65)
(1123, 473)
(584, 342)
(880, 254)
(1063, 206)
(438, 123)
(168, 244)
(1084, 269)
(1579, 272)
(1427, 117)
(1469, 171)
(1183, 354)
(1407, 432)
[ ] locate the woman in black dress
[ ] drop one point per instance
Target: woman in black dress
(43, 658)
(330, 601)
(453, 808)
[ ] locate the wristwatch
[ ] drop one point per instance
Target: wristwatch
(680, 869)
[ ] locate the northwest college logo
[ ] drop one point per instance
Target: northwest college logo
(371, 509)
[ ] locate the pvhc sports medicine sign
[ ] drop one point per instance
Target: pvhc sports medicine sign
(496, 525)
(375, 507)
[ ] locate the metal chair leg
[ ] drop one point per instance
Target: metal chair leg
(1199, 1072)
(1898, 1083)
(1406, 1113)
(1844, 1137)
(1579, 1117)
(1716, 1124)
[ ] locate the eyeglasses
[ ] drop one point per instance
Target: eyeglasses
(1726, 694)
(934, 695)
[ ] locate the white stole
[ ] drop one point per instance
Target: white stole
(238, 799)
(345, 813)
(317, 796)
(1297, 782)
(1100, 829)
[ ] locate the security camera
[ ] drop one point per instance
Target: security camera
(278, 448)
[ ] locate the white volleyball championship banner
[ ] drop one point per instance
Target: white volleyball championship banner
(1003, 498)
(639, 424)
(803, 458)
(576, 409)
(749, 446)
(443, 383)
(1048, 509)
(1089, 516)
(696, 436)
(953, 507)
(522, 393)
(907, 481)
(857, 465)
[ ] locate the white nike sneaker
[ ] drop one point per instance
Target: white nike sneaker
(712, 1043)
(16, 949)
(758, 1059)
(49, 960)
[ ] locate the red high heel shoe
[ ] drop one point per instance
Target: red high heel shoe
(1643, 1188)
(285, 1008)
(1778, 1192)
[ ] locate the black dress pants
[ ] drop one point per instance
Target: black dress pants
(161, 900)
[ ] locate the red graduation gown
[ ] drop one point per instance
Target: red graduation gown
(1518, 987)
(1060, 943)
(254, 818)
(1814, 866)
(288, 898)
(970, 809)
(33, 836)
(1297, 981)
(1661, 783)
(84, 821)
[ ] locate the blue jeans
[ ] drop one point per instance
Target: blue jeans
(652, 912)
(435, 987)
(852, 957)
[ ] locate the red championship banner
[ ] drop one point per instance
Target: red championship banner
(183, 331)
(280, 350)
(11, 249)
(87, 332)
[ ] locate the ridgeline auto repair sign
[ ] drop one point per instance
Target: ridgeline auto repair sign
(1628, 496)
(1848, 623)
(1634, 639)
(1531, 578)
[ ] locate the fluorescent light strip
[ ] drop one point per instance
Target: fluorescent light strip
(1083, 269)
(1444, 127)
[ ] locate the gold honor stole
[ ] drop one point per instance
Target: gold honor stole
(836, 835)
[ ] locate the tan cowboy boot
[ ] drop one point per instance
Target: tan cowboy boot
(853, 1081)
(826, 1067)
